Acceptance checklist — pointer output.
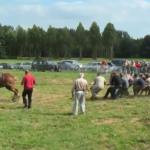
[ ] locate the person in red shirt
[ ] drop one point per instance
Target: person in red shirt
(103, 66)
(28, 81)
(104, 63)
(138, 66)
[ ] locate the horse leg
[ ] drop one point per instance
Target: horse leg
(13, 89)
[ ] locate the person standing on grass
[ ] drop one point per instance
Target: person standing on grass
(132, 67)
(103, 66)
(28, 81)
(125, 66)
(138, 66)
(144, 66)
(98, 85)
(79, 88)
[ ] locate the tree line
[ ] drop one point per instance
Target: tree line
(67, 43)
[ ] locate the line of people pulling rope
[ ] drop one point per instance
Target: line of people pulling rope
(119, 85)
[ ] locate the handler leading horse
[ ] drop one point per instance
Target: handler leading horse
(9, 82)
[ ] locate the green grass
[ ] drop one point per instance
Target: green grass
(122, 124)
(84, 60)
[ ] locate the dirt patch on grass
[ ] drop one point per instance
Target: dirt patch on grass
(105, 121)
(128, 106)
(47, 80)
(135, 120)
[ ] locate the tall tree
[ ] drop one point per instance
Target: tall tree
(51, 39)
(95, 37)
(21, 38)
(80, 38)
(11, 44)
(36, 36)
(145, 47)
(109, 37)
(66, 41)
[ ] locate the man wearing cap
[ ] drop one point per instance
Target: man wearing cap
(28, 81)
(79, 88)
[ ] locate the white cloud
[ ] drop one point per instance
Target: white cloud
(128, 15)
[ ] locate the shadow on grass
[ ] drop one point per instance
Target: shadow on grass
(5, 101)
(130, 97)
(11, 108)
(56, 114)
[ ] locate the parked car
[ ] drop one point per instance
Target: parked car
(45, 65)
(68, 66)
(118, 62)
(90, 65)
(7, 66)
(25, 66)
(75, 62)
(97, 66)
(110, 64)
(1, 67)
(16, 65)
(113, 67)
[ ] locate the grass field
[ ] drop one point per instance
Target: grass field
(123, 124)
(84, 60)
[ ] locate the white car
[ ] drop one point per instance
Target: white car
(74, 62)
(1, 67)
(25, 66)
(91, 66)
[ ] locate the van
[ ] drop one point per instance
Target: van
(118, 62)
(45, 65)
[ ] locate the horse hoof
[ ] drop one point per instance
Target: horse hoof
(16, 98)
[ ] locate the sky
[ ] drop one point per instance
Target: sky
(131, 16)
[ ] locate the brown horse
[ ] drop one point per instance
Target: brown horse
(9, 82)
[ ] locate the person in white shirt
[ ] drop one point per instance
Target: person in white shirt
(133, 67)
(98, 84)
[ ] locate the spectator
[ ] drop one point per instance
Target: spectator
(144, 66)
(103, 66)
(80, 86)
(104, 63)
(138, 66)
(132, 67)
(125, 65)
